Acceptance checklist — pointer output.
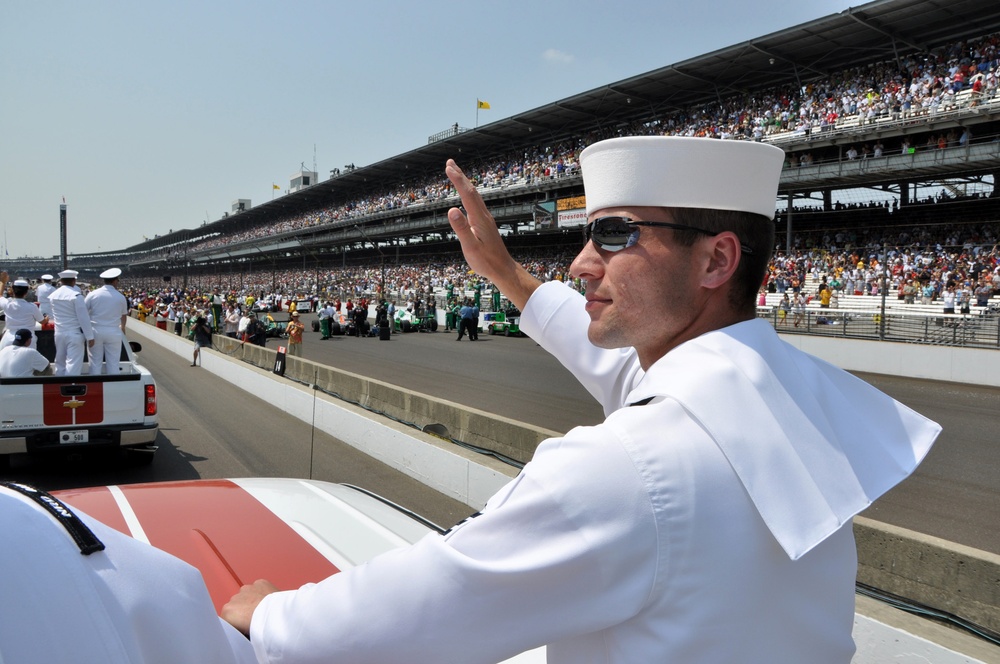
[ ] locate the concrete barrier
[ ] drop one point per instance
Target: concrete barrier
(971, 366)
(415, 448)
(509, 438)
(945, 576)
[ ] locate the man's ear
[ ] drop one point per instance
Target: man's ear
(722, 259)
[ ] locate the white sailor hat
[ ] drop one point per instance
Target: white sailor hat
(21, 282)
(674, 171)
(111, 273)
(69, 274)
(46, 277)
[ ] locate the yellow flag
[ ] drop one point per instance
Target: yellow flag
(276, 187)
(482, 104)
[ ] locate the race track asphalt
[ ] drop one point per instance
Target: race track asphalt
(954, 494)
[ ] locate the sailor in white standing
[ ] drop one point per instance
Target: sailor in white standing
(72, 322)
(706, 520)
(108, 314)
(43, 291)
(19, 312)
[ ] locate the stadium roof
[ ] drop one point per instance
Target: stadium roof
(873, 32)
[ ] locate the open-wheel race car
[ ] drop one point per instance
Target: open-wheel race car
(408, 321)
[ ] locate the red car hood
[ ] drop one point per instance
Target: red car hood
(290, 532)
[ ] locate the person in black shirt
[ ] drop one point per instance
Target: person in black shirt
(202, 338)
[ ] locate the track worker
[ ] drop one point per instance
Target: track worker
(706, 520)
(72, 323)
(108, 314)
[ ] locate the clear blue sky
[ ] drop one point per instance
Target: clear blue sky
(156, 116)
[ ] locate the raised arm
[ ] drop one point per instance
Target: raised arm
(482, 244)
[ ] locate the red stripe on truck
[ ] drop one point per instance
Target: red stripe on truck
(62, 406)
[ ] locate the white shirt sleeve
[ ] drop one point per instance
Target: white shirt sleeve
(39, 362)
(83, 317)
(553, 554)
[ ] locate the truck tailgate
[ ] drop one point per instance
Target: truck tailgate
(72, 401)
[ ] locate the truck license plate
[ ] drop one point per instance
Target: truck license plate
(72, 437)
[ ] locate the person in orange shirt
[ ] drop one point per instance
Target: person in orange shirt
(294, 330)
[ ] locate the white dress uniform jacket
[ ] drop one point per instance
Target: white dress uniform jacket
(107, 306)
(73, 329)
(130, 603)
(709, 522)
(42, 294)
(20, 314)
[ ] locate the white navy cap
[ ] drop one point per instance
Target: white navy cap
(21, 282)
(674, 171)
(111, 273)
(69, 274)
(46, 277)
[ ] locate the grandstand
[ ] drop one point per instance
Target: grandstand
(889, 114)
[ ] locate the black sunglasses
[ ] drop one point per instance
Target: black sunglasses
(617, 233)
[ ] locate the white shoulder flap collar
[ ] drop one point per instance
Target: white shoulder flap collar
(812, 444)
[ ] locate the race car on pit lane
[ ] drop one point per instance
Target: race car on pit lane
(288, 531)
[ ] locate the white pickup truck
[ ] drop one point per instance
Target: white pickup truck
(80, 413)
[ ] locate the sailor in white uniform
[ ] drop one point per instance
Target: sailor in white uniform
(75, 590)
(19, 312)
(108, 314)
(706, 520)
(42, 293)
(72, 322)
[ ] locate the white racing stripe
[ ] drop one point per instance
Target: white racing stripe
(131, 520)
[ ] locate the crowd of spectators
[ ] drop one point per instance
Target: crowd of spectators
(911, 87)
(962, 257)
(431, 273)
(845, 249)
